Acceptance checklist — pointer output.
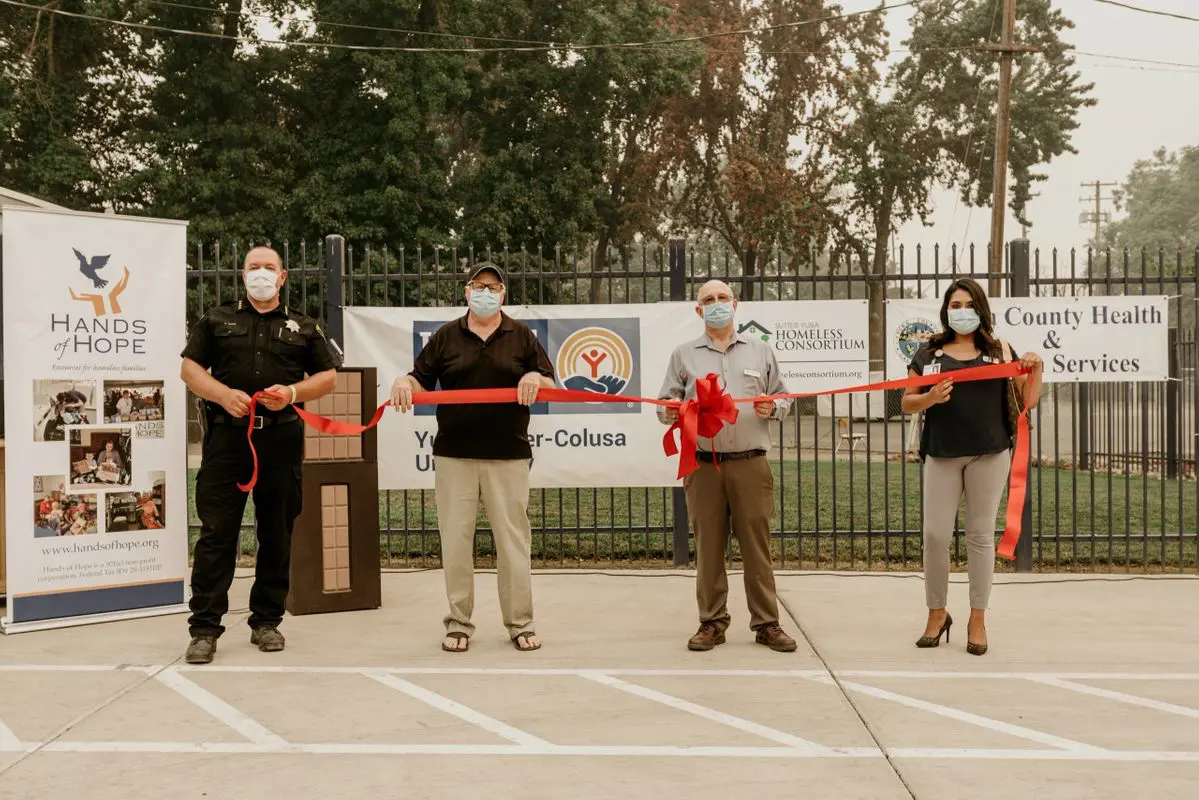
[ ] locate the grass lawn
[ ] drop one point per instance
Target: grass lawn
(839, 515)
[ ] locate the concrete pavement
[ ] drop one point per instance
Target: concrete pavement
(1090, 689)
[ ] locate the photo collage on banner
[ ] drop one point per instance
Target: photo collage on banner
(94, 320)
(614, 350)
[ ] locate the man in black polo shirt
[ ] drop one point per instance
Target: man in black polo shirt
(235, 350)
(483, 449)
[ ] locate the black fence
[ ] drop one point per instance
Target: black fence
(1113, 478)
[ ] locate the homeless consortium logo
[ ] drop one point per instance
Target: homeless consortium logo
(106, 329)
(755, 329)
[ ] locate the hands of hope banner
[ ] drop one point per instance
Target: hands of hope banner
(703, 416)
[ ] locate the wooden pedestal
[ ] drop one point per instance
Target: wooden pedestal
(335, 543)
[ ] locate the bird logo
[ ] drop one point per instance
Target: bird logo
(92, 267)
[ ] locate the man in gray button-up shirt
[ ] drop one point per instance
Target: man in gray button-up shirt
(743, 485)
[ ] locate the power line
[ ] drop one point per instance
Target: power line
(541, 47)
(1152, 11)
(350, 25)
(1137, 60)
(405, 49)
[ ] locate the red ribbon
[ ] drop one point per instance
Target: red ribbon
(1017, 489)
(703, 416)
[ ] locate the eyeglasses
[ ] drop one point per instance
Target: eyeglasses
(717, 298)
(490, 287)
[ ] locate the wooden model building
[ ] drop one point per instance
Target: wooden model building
(335, 546)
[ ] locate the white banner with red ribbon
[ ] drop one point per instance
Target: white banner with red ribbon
(614, 349)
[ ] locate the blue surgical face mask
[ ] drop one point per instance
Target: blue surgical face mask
(718, 315)
(484, 303)
(963, 320)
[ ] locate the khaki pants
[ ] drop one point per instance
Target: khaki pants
(504, 489)
(746, 490)
(982, 479)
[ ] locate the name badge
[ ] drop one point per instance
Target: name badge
(932, 369)
(753, 373)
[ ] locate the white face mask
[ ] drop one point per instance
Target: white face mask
(260, 284)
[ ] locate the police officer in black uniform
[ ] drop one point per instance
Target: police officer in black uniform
(237, 349)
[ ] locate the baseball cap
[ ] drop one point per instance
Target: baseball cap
(487, 266)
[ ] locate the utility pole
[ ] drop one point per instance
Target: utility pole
(1006, 48)
(1098, 215)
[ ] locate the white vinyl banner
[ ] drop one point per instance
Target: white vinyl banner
(1093, 339)
(95, 428)
(617, 349)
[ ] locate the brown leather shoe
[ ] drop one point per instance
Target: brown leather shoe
(707, 637)
(773, 637)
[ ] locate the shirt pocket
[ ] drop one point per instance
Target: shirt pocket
(288, 349)
(753, 382)
(285, 341)
(230, 329)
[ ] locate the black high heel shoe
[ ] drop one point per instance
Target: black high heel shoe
(934, 641)
(973, 648)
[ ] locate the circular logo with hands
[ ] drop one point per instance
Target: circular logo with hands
(595, 360)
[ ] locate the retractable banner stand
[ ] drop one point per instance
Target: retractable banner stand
(96, 438)
(620, 350)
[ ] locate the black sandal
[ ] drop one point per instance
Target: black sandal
(516, 641)
(458, 636)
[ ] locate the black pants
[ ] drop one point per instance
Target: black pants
(220, 505)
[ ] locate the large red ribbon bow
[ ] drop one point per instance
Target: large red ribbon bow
(703, 416)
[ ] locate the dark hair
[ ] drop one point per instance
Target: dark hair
(984, 335)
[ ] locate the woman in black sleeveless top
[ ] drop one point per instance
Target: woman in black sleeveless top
(966, 449)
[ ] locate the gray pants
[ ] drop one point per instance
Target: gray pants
(982, 479)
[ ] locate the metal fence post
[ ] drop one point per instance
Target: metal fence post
(1020, 262)
(1082, 419)
(1173, 392)
(678, 291)
(335, 271)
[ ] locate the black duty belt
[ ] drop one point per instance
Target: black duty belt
(260, 421)
(740, 455)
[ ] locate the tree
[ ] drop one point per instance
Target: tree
(379, 132)
(69, 89)
(752, 145)
(1161, 198)
(562, 141)
(218, 152)
(632, 198)
(932, 122)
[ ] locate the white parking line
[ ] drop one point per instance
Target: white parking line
(705, 712)
(617, 751)
(261, 740)
(460, 711)
(704, 673)
(242, 723)
(8, 740)
(967, 717)
(1043, 755)
(1121, 697)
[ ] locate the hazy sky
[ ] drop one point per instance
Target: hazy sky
(1139, 109)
